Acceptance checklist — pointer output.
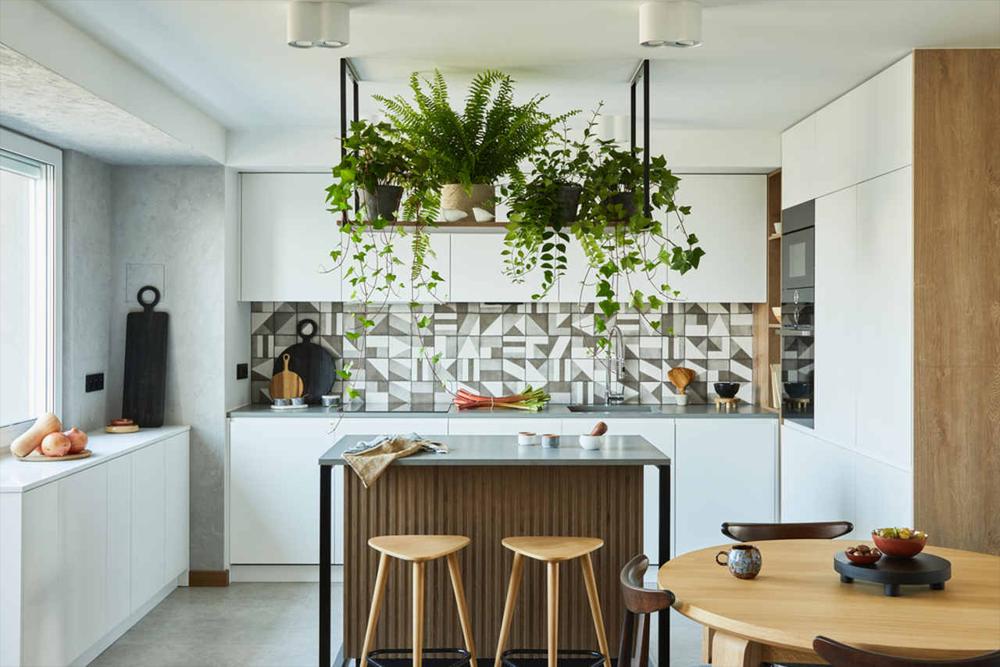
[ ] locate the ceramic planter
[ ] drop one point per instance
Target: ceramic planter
(567, 203)
(624, 199)
(459, 205)
(384, 202)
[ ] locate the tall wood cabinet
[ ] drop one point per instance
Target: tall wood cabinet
(906, 224)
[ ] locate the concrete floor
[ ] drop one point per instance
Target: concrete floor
(265, 625)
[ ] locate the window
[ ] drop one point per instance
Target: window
(30, 280)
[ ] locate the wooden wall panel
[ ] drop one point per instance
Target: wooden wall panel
(488, 504)
(956, 171)
(766, 343)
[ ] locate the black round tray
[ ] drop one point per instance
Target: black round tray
(921, 570)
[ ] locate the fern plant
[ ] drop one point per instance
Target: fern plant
(480, 145)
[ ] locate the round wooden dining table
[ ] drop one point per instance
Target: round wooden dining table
(798, 596)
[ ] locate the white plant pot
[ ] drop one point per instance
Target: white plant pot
(455, 200)
(681, 399)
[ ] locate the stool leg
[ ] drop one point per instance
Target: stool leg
(553, 582)
(380, 580)
(418, 613)
(595, 606)
(463, 606)
(508, 608)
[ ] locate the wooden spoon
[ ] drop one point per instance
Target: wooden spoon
(681, 377)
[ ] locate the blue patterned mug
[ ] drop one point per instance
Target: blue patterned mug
(743, 560)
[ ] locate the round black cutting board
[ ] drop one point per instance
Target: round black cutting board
(314, 364)
(921, 570)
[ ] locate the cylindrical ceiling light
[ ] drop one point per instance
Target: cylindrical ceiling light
(335, 25)
(311, 24)
(672, 23)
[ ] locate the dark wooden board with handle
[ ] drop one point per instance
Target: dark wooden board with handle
(313, 363)
(144, 392)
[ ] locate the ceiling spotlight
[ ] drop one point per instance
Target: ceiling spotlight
(672, 23)
(324, 24)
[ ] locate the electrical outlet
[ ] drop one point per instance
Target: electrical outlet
(242, 371)
(94, 382)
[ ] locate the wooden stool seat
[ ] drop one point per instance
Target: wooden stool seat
(418, 548)
(553, 549)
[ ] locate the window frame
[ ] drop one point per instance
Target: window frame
(52, 158)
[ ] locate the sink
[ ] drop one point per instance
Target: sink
(610, 408)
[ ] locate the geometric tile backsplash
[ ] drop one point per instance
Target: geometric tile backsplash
(496, 349)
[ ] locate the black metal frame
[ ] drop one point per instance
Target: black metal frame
(507, 657)
(347, 71)
(641, 73)
(464, 658)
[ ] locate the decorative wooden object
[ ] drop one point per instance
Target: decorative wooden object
(956, 237)
(286, 384)
(35, 456)
(681, 377)
(766, 341)
(798, 597)
(727, 403)
(488, 504)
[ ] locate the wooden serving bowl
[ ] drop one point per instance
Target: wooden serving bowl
(899, 548)
(862, 559)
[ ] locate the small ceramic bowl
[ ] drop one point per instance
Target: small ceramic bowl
(863, 559)
(899, 548)
(550, 440)
(797, 389)
(528, 439)
(727, 389)
(591, 441)
(329, 401)
(298, 400)
(280, 402)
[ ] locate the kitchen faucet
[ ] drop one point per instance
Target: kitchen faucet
(616, 359)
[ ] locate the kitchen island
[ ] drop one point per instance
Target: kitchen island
(487, 488)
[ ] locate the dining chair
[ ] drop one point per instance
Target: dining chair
(817, 530)
(842, 655)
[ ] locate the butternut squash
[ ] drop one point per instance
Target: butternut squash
(25, 443)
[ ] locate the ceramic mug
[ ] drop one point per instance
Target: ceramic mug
(743, 560)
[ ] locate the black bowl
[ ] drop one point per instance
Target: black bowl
(727, 389)
(797, 389)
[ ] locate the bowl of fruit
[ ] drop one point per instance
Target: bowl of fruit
(899, 542)
(862, 555)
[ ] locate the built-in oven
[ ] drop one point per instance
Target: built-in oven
(798, 303)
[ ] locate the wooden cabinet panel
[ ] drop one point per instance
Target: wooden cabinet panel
(119, 539)
(798, 162)
(176, 462)
(726, 471)
(885, 131)
(83, 529)
(837, 317)
(477, 267)
(147, 557)
(885, 317)
(729, 214)
(287, 235)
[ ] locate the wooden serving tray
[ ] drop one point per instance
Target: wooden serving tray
(35, 456)
(921, 570)
(131, 428)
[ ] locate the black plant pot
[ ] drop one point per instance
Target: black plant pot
(383, 203)
(624, 199)
(567, 203)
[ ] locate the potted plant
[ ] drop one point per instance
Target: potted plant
(469, 152)
(375, 166)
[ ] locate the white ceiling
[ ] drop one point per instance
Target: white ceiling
(764, 63)
(40, 103)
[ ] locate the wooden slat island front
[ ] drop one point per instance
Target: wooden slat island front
(488, 488)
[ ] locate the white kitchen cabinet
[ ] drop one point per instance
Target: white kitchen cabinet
(837, 131)
(577, 285)
(42, 594)
(148, 524)
(176, 509)
(119, 605)
(83, 530)
(286, 238)
(798, 162)
(726, 471)
(837, 317)
(884, 138)
(884, 318)
(478, 272)
(728, 215)
(503, 425)
(403, 291)
(817, 479)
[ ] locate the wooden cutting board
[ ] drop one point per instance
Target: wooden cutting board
(311, 362)
(285, 383)
(35, 456)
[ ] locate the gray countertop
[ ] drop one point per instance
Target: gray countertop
(745, 410)
(503, 450)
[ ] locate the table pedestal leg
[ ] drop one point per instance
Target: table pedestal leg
(706, 644)
(730, 651)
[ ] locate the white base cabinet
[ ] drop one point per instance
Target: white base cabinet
(84, 555)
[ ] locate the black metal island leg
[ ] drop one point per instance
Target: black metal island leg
(663, 647)
(325, 556)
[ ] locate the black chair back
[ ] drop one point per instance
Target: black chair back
(818, 530)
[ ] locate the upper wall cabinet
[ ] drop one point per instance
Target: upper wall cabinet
(437, 258)
(885, 131)
(798, 163)
(728, 215)
(287, 236)
(837, 126)
(477, 269)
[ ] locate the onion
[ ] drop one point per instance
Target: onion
(55, 444)
(77, 440)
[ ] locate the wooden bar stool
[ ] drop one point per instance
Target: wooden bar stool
(552, 551)
(418, 550)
